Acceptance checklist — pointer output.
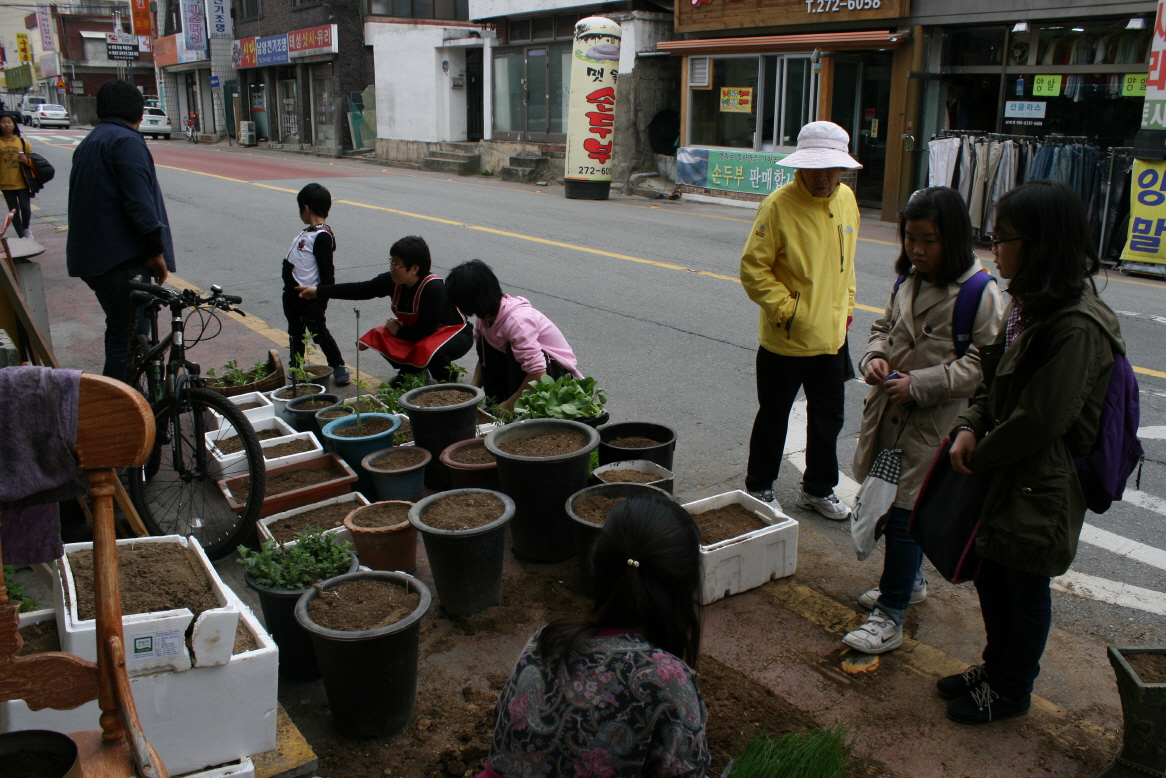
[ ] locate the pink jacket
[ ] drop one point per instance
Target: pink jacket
(529, 334)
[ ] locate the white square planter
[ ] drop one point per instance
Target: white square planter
(197, 719)
(154, 641)
(356, 498)
(222, 465)
(264, 411)
(747, 561)
(292, 458)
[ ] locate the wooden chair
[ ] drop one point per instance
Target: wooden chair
(114, 429)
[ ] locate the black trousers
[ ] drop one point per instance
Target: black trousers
(1018, 613)
(304, 316)
(778, 380)
(17, 200)
(439, 364)
(502, 374)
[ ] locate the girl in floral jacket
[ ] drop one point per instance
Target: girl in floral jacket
(615, 694)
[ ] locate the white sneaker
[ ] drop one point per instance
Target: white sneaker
(829, 506)
(878, 635)
(26, 234)
(870, 598)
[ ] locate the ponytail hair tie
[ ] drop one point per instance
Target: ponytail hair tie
(633, 563)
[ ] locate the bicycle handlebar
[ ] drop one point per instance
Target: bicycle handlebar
(163, 294)
(153, 289)
(233, 299)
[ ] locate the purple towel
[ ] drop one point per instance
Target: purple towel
(38, 466)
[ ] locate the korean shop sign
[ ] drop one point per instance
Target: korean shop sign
(591, 108)
(140, 13)
(1154, 106)
(728, 15)
(312, 41)
(736, 99)
(1147, 241)
(193, 25)
(271, 51)
(23, 47)
(121, 46)
(756, 172)
(44, 21)
(218, 21)
(243, 54)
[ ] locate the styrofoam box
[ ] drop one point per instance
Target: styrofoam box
(244, 768)
(154, 641)
(747, 561)
(288, 459)
(195, 719)
(265, 411)
(222, 465)
(340, 532)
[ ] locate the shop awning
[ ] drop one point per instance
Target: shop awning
(830, 41)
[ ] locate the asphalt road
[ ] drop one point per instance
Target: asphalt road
(646, 293)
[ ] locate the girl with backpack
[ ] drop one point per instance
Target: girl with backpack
(923, 365)
(1046, 381)
(14, 158)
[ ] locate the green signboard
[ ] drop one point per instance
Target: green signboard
(756, 172)
(18, 77)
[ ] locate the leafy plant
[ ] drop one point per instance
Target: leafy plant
(458, 370)
(15, 591)
(313, 558)
(566, 397)
(298, 371)
(233, 375)
(485, 172)
(390, 394)
(817, 753)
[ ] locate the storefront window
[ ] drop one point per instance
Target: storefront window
(1092, 44)
(975, 46)
(711, 126)
(421, 9)
(530, 92)
(508, 86)
(323, 106)
(289, 107)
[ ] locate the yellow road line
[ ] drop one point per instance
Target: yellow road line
(1148, 371)
(208, 175)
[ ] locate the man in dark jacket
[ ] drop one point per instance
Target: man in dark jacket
(118, 230)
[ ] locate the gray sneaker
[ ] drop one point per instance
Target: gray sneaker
(869, 598)
(878, 635)
(829, 506)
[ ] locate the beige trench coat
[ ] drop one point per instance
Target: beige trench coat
(914, 335)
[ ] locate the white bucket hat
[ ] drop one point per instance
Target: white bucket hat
(821, 145)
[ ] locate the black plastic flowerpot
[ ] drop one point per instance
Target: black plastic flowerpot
(436, 428)
(661, 453)
(303, 419)
(45, 753)
(586, 532)
(596, 421)
(466, 564)
(370, 676)
(1143, 705)
(297, 658)
(540, 486)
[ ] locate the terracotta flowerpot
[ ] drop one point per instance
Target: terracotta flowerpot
(470, 476)
(296, 498)
(274, 380)
(384, 548)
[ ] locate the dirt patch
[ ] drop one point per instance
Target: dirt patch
(627, 477)
(250, 406)
(1151, 668)
(323, 518)
(441, 398)
(633, 441)
(286, 449)
(153, 577)
(319, 370)
(473, 455)
(299, 390)
(314, 405)
(373, 425)
(365, 604)
(365, 405)
(39, 638)
(29, 764)
(404, 433)
(548, 444)
(382, 515)
(463, 511)
(335, 414)
(286, 482)
(244, 640)
(234, 443)
(595, 509)
(399, 459)
(727, 522)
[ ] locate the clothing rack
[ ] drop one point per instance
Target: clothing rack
(1053, 138)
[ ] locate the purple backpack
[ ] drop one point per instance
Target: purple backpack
(1105, 470)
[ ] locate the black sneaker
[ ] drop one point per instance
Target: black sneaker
(340, 376)
(982, 705)
(765, 495)
(958, 685)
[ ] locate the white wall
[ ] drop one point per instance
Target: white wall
(486, 9)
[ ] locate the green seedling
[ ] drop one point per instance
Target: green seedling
(566, 397)
(313, 558)
(16, 593)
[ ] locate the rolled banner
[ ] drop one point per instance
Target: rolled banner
(591, 110)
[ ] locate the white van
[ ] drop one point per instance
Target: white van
(28, 104)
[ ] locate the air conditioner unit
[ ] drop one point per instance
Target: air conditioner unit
(246, 133)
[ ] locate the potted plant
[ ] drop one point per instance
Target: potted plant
(540, 477)
(280, 575)
(637, 440)
(233, 380)
(588, 509)
(322, 375)
(566, 397)
(327, 515)
(470, 465)
(301, 412)
(357, 435)
(464, 532)
(440, 415)
(291, 486)
(398, 473)
(1141, 685)
(366, 630)
(639, 471)
(384, 538)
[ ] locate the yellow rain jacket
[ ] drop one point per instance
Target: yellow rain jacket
(798, 265)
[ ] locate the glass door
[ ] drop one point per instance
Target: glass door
(289, 112)
(797, 101)
(323, 106)
(536, 97)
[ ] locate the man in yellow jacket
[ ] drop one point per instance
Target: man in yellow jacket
(798, 266)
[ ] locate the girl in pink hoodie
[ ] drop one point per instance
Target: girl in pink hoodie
(516, 344)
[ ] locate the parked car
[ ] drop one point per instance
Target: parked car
(28, 104)
(155, 123)
(49, 115)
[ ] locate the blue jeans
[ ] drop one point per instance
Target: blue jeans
(113, 292)
(902, 566)
(1018, 611)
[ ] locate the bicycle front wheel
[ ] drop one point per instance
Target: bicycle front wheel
(182, 496)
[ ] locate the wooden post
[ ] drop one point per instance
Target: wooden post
(826, 89)
(904, 100)
(107, 597)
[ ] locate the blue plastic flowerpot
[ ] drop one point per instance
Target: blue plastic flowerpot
(405, 483)
(354, 449)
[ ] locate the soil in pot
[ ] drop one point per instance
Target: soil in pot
(299, 390)
(333, 414)
(233, 444)
(633, 441)
(473, 455)
(153, 577)
(727, 522)
(548, 444)
(286, 482)
(404, 433)
(285, 449)
(324, 518)
(244, 640)
(314, 405)
(33, 764)
(39, 638)
(376, 516)
(627, 477)
(250, 406)
(1151, 668)
(365, 604)
(595, 509)
(365, 405)
(399, 459)
(370, 426)
(441, 398)
(463, 511)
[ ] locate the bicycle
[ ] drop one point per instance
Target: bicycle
(192, 128)
(176, 492)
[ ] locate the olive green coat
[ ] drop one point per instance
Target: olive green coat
(1044, 392)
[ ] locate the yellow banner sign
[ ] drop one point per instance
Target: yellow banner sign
(23, 48)
(736, 99)
(1046, 86)
(1147, 240)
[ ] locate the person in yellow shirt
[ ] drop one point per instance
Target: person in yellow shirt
(14, 151)
(798, 266)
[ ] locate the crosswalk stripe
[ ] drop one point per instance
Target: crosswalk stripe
(1130, 549)
(1113, 592)
(1152, 433)
(1147, 501)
